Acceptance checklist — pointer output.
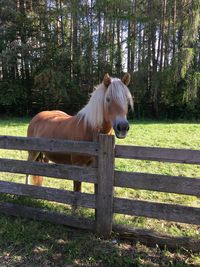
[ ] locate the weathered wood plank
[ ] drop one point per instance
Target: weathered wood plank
(148, 237)
(63, 171)
(158, 154)
(160, 183)
(47, 193)
(104, 190)
(48, 145)
(11, 209)
(168, 212)
(153, 238)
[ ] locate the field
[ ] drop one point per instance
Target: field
(31, 243)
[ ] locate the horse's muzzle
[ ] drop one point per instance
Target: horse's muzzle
(121, 127)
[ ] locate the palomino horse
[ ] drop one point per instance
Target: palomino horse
(106, 109)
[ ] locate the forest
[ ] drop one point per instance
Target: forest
(53, 53)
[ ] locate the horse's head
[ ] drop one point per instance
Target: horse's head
(116, 101)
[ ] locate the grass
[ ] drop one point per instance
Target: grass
(31, 243)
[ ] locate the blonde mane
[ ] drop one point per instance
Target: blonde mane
(119, 93)
(93, 112)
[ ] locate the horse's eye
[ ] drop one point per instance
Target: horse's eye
(108, 99)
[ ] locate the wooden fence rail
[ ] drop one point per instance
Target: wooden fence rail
(62, 171)
(104, 176)
(51, 194)
(48, 145)
(162, 211)
(44, 215)
(158, 154)
(155, 182)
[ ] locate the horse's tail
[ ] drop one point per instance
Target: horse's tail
(35, 179)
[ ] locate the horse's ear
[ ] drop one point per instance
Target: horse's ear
(126, 79)
(106, 80)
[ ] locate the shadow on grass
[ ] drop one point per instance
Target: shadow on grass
(32, 243)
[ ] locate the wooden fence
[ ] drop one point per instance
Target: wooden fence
(104, 176)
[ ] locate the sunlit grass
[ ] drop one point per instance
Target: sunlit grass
(31, 243)
(144, 133)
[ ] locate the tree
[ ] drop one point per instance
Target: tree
(53, 52)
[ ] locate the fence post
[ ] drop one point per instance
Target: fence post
(104, 188)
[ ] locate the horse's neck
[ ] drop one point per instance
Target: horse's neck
(88, 132)
(106, 128)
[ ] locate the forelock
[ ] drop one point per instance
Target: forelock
(119, 93)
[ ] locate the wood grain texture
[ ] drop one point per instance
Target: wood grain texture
(48, 145)
(160, 183)
(153, 238)
(158, 154)
(44, 215)
(47, 193)
(63, 171)
(168, 212)
(104, 194)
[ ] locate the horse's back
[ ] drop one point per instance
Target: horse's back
(57, 124)
(50, 115)
(45, 123)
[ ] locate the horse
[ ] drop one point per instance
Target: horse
(106, 110)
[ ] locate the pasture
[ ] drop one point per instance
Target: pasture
(31, 243)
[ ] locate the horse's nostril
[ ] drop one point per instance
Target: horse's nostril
(122, 127)
(118, 128)
(125, 127)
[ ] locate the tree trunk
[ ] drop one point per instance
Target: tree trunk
(162, 34)
(119, 55)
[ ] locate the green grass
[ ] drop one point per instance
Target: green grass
(31, 243)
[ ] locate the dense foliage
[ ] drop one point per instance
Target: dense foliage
(52, 53)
